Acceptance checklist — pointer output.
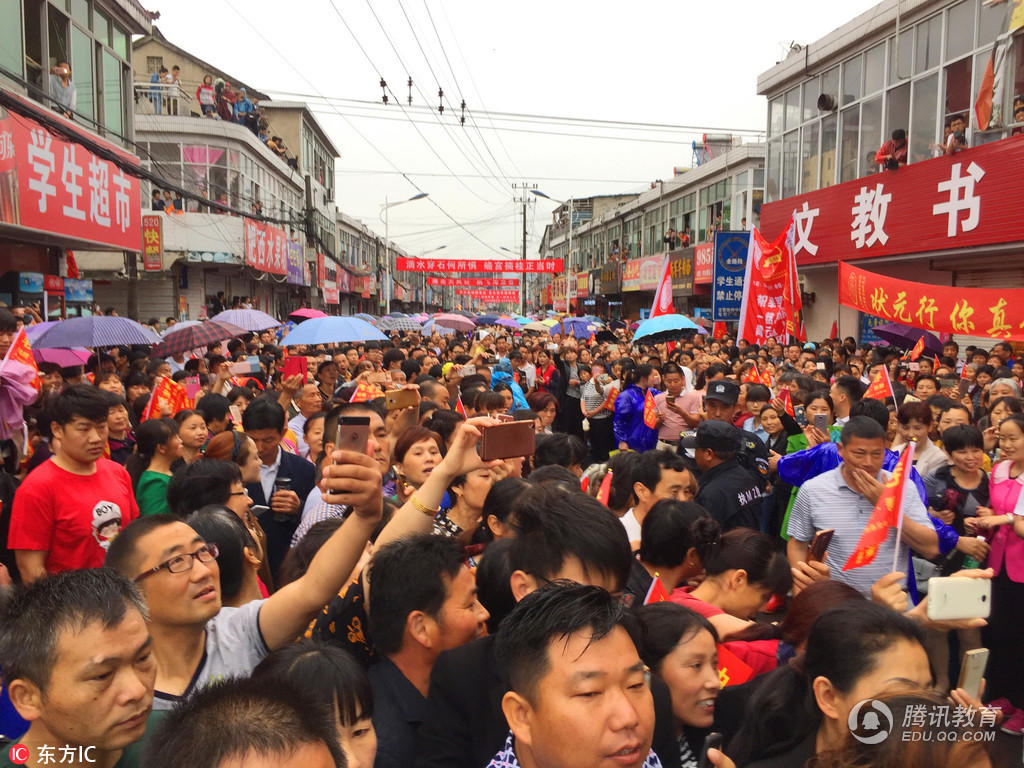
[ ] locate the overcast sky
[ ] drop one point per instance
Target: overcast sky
(671, 62)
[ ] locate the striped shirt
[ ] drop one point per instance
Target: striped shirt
(315, 513)
(826, 501)
(593, 396)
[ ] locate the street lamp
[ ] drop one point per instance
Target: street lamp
(387, 245)
(422, 254)
(568, 267)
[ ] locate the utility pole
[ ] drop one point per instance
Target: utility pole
(525, 199)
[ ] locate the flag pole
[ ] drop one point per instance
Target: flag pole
(899, 518)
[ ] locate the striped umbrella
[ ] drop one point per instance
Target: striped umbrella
(390, 323)
(196, 336)
(95, 331)
(249, 319)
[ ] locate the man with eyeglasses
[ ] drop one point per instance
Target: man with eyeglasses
(197, 641)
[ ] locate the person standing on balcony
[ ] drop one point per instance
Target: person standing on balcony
(205, 96)
(893, 153)
(62, 89)
(243, 107)
(156, 96)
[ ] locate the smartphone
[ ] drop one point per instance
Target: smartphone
(820, 542)
(914, 366)
(504, 417)
(468, 370)
(952, 598)
(192, 387)
(353, 434)
(712, 741)
(240, 369)
(295, 365)
(821, 422)
(507, 440)
(236, 414)
(820, 366)
(972, 670)
(961, 388)
(947, 383)
(396, 399)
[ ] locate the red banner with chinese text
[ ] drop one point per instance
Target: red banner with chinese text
(476, 282)
(998, 314)
(477, 265)
(266, 247)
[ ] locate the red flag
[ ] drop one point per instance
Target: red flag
(752, 376)
(732, 670)
(918, 349)
(881, 387)
(167, 395)
(983, 104)
(963, 371)
(670, 347)
(718, 329)
(585, 483)
(937, 363)
(834, 333)
(609, 402)
(459, 407)
(886, 514)
(787, 401)
(650, 411)
(592, 339)
(771, 296)
(20, 351)
(605, 491)
(656, 593)
(365, 392)
(663, 296)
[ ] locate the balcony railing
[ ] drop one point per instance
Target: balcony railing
(161, 99)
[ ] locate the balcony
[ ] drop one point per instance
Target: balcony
(161, 99)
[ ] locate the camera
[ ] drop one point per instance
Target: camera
(891, 164)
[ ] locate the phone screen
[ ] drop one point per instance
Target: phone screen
(353, 433)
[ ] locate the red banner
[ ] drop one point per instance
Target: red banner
(477, 265)
(703, 263)
(765, 313)
(998, 314)
(971, 198)
(476, 282)
(266, 247)
(152, 243)
(331, 293)
(63, 188)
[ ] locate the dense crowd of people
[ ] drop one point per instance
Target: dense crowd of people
(305, 569)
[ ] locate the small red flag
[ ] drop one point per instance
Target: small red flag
(365, 392)
(656, 593)
(718, 330)
(752, 376)
(963, 371)
(787, 401)
(881, 387)
(20, 351)
(937, 362)
(605, 491)
(650, 411)
(167, 394)
(918, 349)
(885, 515)
(732, 670)
(585, 483)
(834, 333)
(663, 296)
(459, 407)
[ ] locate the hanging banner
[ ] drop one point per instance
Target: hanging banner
(476, 282)
(295, 272)
(330, 291)
(642, 274)
(703, 263)
(266, 247)
(489, 295)
(681, 264)
(730, 263)
(407, 264)
(152, 243)
(997, 314)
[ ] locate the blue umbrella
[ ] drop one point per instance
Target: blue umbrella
(368, 318)
(250, 319)
(333, 330)
(95, 331)
(655, 330)
(486, 320)
(575, 326)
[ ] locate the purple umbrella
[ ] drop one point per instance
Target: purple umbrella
(249, 319)
(575, 326)
(905, 337)
(65, 358)
(34, 331)
(508, 322)
(95, 331)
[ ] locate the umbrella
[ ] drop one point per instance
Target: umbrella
(421, 318)
(33, 332)
(537, 326)
(249, 319)
(391, 323)
(655, 330)
(905, 337)
(178, 326)
(396, 314)
(575, 326)
(616, 324)
(452, 320)
(95, 331)
(486, 320)
(307, 313)
(508, 322)
(464, 313)
(195, 337)
(606, 335)
(332, 330)
(431, 326)
(550, 322)
(65, 358)
(365, 317)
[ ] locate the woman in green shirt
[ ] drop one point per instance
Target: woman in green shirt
(157, 448)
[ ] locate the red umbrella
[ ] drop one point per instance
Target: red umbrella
(195, 336)
(307, 313)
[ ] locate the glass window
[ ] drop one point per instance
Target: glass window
(830, 84)
(773, 166)
(900, 56)
(11, 54)
(870, 132)
(80, 12)
(809, 157)
(812, 88)
(828, 150)
(82, 72)
(897, 112)
(874, 69)
(991, 22)
(790, 157)
(58, 35)
(120, 41)
(851, 80)
(792, 106)
(958, 87)
(101, 27)
(928, 37)
(775, 116)
(960, 29)
(925, 99)
(113, 94)
(849, 133)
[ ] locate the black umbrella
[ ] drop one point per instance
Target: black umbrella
(905, 337)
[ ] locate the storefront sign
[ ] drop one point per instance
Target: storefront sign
(609, 279)
(152, 243)
(582, 285)
(361, 285)
(57, 186)
(212, 257)
(476, 282)
(477, 265)
(294, 267)
(330, 291)
(730, 264)
(321, 276)
(971, 198)
(642, 274)
(53, 283)
(344, 280)
(997, 314)
(77, 290)
(558, 289)
(703, 263)
(867, 325)
(266, 247)
(30, 282)
(681, 264)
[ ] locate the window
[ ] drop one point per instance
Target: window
(809, 158)
(792, 107)
(101, 27)
(773, 163)
(812, 89)
(925, 99)
(958, 88)
(901, 61)
(775, 117)
(80, 12)
(849, 134)
(991, 23)
(58, 37)
(113, 94)
(874, 69)
(870, 132)
(897, 113)
(120, 42)
(960, 29)
(790, 151)
(928, 35)
(830, 84)
(828, 150)
(153, 64)
(11, 54)
(82, 72)
(851, 80)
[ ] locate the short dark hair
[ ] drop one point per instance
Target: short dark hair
(672, 528)
(666, 625)
(217, 524)
(552, 525)
(232, 718)
(205, 481)
(899, 135)
(861, 427)
(213, 407)
(648, 470)
(263, 413)
(962, 436)
(79, 400)
(559, 449)
(759, 393)
(926, 377)
(410, 574)
(33, 617)
(852, 386)
(624, 466)
(872, 409)
(122, 555)
(915, 410)
(755, 553)
(550, 614)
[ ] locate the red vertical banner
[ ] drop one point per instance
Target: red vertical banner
(152, 243)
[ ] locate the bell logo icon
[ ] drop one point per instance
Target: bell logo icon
(870, 721)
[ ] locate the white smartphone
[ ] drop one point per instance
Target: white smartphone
(972, 670)
(952, 598)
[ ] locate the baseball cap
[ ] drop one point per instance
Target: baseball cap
(724, 391)
(715, 435)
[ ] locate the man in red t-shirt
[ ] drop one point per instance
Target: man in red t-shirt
(69, 509)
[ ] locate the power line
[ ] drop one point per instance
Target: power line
(381, 171)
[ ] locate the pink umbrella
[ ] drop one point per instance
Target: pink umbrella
(65, 358)
(457, 322)
(307, 313)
